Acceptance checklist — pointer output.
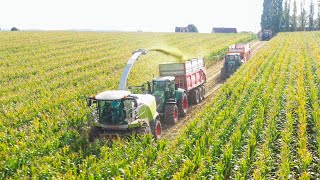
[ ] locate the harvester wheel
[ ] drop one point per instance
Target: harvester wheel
(156, 129)
(194, 98)
(183, 105)
(94, 133)
(145, 129)
(171, 113)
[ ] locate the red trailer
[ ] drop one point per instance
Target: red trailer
(243, 49)
(189, 75)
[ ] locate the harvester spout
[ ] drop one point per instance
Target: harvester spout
(125, 73)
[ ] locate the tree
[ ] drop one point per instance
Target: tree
(303, 17)
(15, 29)
(277, 15)
(192, 28)
(294, 17)
(318, 14)
(266, 17)
(286, 16)
(311, 15)
(272, 15)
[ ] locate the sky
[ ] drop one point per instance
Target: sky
(130, 15)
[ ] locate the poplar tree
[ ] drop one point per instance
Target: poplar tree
(303, 17)
(294, 17)
(318, 14)
(272, 15)
(311, 15)
(266, 17)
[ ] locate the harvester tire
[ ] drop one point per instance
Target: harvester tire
(94, 133)
(171, 113)
(144, 129)
(183, 105)
(194, 96)
(156, 129)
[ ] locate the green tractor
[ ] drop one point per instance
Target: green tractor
(172, 101)
(231, 64)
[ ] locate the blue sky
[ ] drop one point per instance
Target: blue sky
(130, 15)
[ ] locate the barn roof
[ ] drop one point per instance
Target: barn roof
(224, 30)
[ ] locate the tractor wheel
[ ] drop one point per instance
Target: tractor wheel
(200, 94)
(223, 74)
(194, 96)
(183, 105)
(94, 133)
(156, 129)
(171, 113)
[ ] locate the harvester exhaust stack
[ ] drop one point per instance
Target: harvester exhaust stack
(125, 73)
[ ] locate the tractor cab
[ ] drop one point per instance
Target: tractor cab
(114, 107)
(266, 35)
(232, 62)
(163, 88)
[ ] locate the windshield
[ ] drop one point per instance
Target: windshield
(233, 58)
(115, 112)
(159, 86)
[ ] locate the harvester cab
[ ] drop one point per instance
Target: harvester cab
(114, 108)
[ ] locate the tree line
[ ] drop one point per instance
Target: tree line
(284, 16)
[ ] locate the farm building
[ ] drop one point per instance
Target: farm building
(224, 30)
(182, 29)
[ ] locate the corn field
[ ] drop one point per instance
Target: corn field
(264, 123)
(45, 78)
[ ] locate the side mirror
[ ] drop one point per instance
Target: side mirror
(89, 102)
(176, 86)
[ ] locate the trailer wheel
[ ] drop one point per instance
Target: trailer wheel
(203, 92)
(183, 105)
(94, 133)
(156, 129)
(194, 96)
(171, 113)
(200, 94)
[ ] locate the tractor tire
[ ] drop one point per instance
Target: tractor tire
(200, 93)
(171, 113)
(183, 105)
(223, 75)
(156, 129)
(194, 96)
(94, 133)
